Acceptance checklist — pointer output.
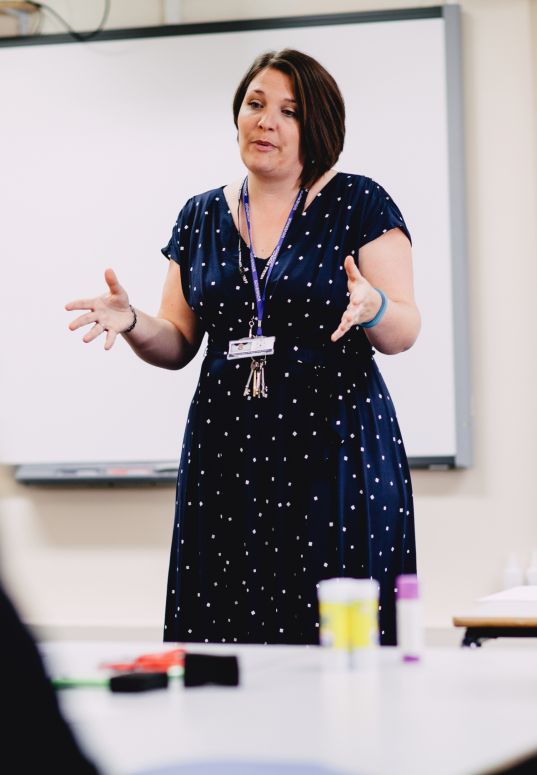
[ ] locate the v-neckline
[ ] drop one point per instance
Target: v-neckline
(303, 211)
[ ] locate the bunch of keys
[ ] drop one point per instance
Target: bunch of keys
(255, 385)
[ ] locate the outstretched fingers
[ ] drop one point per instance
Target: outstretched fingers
(93, 333)
(353, 273)
(112, 282)
(350, 316)
(83, 320)
(347, 320)
(80, 304)
(110, 339)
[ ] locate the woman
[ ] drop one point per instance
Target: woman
(311, 481)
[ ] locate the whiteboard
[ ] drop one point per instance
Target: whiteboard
(102, 144)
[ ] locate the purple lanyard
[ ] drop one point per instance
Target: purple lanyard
(260, 299)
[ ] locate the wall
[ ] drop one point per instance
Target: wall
(94, 561)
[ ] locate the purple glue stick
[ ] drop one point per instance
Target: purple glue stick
(409, 618)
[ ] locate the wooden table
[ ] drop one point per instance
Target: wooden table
(511, 613)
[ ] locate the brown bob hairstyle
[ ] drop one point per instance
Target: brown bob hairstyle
(320, 106)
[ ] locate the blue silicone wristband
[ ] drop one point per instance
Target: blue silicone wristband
(380, 314)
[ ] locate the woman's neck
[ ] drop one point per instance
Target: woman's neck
(272, 190)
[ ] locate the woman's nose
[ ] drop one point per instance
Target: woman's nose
(267, 120)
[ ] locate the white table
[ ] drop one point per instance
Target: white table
(459, 712)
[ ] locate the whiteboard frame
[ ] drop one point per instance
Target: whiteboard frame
(161, 472)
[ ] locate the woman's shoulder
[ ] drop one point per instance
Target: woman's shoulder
(199, 206)
(205, 199)
(346, 187)
(376, 210)
(362, 183)
(361, 190)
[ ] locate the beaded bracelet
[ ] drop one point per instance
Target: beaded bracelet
(127, 330)
(380, 314)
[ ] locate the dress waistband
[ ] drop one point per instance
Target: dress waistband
(308, 351)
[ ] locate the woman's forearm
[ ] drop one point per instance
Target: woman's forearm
(159, 342)
(398, 329)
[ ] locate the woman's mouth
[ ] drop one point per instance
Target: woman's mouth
(263, 145)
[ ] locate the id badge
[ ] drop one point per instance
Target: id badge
(250, 347)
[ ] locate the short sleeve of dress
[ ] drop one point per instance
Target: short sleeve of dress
(178, 247)
(379, 213)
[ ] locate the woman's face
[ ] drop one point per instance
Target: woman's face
(269, 130)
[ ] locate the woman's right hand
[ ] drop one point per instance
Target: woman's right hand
(110, 313)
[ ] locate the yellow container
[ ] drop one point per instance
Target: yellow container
(335, 624)
(348, 611)
(364, 631)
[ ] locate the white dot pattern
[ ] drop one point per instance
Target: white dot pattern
(274, 495)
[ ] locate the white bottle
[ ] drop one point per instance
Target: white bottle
(531, 570)
(410, 638)
(512, 575)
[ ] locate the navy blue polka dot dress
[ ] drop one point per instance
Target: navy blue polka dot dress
(275, 494)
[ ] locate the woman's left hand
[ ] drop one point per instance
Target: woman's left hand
(364, 300)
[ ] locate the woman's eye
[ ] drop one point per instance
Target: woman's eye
(254, 104)
(288, 112)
